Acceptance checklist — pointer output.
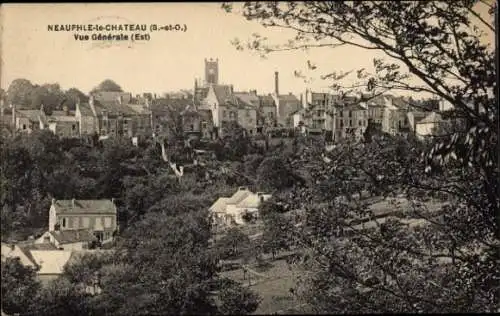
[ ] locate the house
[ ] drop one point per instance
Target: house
(96, 216)
(395, 121)
(87, 122)
(286, 104)
(15, 251)
(427, 127)
(227, 107)
(350, 120)
(6, 121)
(27, 121)
(118, 117)
(197, 122)
(230, 211)
(68, 239)
(266, 114)
(61, 123)
(414, 117)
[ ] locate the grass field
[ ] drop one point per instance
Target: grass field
(273, 285)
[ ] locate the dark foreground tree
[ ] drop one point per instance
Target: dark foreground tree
(444, 260)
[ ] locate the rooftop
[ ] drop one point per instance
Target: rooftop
(84, 206)
(51, 261)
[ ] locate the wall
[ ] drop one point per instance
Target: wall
(424, 129)
(65, 129)
(95, 222)
(247, 118)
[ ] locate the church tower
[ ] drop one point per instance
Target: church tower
(211, 71)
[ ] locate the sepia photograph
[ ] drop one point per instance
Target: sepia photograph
(249, 158)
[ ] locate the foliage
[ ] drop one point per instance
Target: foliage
(238, 300)
(19, 286)
(355, 264)
(278, 233)
(107, 85)
(232, 244)
(274, 174)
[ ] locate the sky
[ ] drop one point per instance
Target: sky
(169, 61)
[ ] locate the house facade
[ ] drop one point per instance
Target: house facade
(350, 121)
(97, 216)
(231, 211)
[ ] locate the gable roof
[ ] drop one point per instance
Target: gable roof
(51, 261)
(220, 205)
(266, 100)
(72, 236)
(84, 206)
(14, 251)
(224, 94)
(238, 196)
(248, 98)
(288, 98)
(32, 115)
(252, 200)
(85, 109)
(106, 96)
(113, 107)
(431, 118)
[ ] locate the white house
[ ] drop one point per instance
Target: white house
(69, 239)
(231, 210)
(427, 126)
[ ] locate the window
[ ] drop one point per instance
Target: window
(63, 224)
(341, 123)
(350, 113)
(73, 127)
(85, 222)
(350, 123)
(224, 114)
(107, 235)
(98, 223)
(204, 125)
(248, 113)
(360, 123)
(107, 222)
(192, 127)
(24, 126)
(341, 113)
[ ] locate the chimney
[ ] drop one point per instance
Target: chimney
(276, 83)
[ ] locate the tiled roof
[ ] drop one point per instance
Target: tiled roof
(85, 206)
(248, 98)
(224, 95)
(62, 113)
(238, 196)
(220, 205)
(252, 201)
(139, 108)
(288, 98)
(61, 118)
(431, 118)
(266, 100)
(72, 236)
(106, 96)
(32, 115)
(113, 107)
(51, 261)
(9, 251)
(85, 109)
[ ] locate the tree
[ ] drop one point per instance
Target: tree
(19, 286)
(278, 233)
(19, 92)
(73, 95)
(238, 300)
(232, 243)
(436, 48)
(274, 174)
(107, 85)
